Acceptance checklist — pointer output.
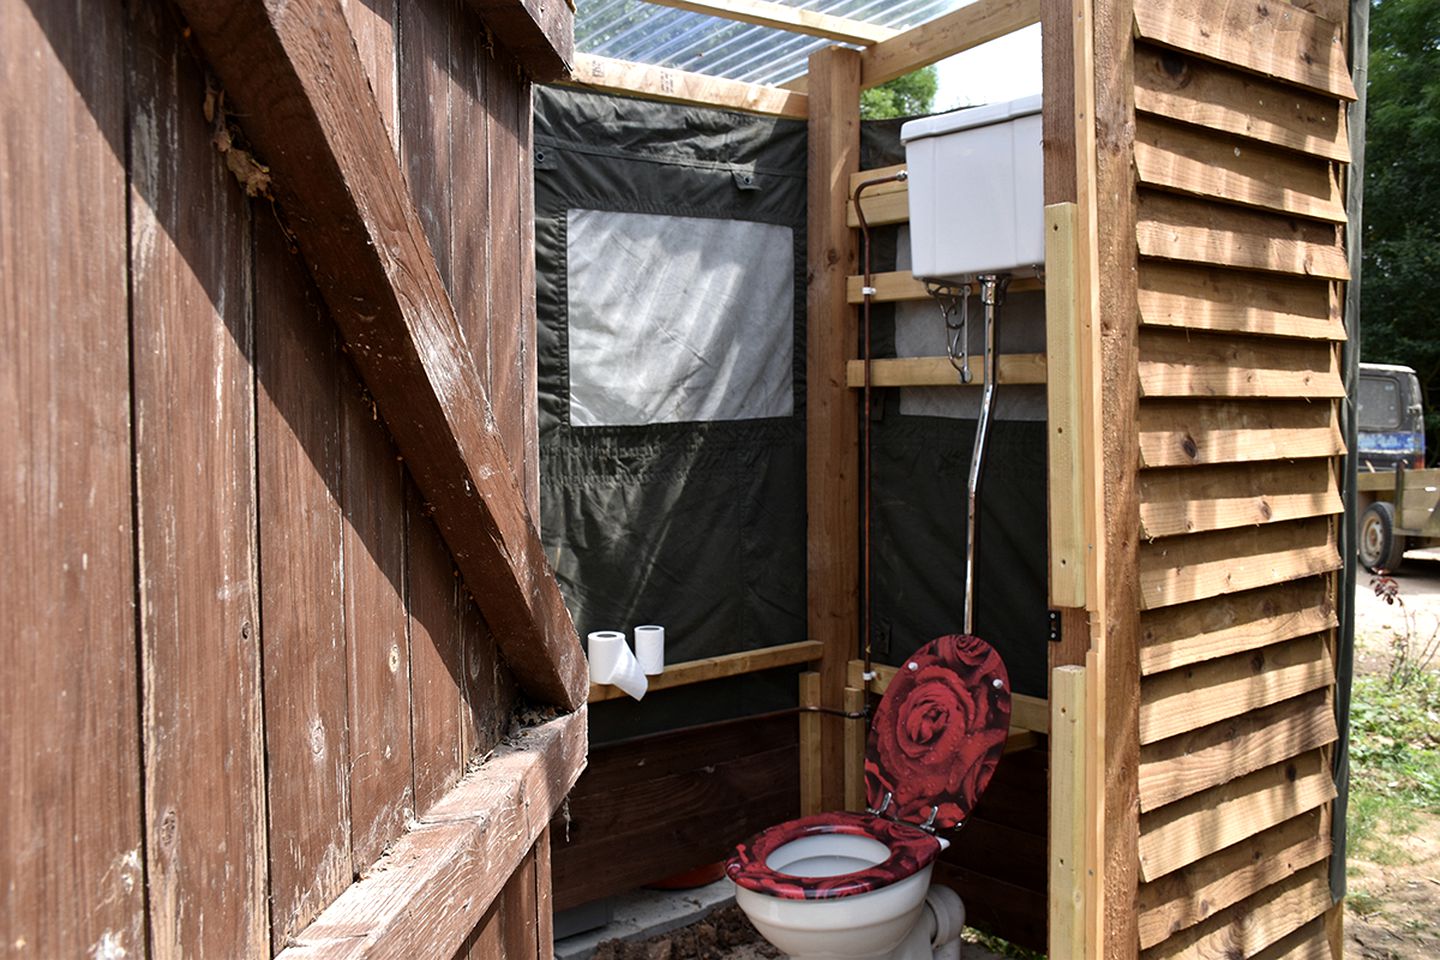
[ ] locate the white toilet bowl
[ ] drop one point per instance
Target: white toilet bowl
(852, 886)
(859, 927)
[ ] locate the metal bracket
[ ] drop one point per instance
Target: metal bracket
(1054, 618)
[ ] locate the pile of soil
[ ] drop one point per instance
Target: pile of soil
(724, 934)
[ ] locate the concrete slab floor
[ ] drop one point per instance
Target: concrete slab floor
(643, 914)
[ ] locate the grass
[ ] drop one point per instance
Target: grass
(1394, 761)
(1001, 948)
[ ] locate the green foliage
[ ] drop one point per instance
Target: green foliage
(908, 96)
(1394, 763)
(1400, 288)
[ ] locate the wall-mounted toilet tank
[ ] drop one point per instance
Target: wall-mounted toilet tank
(976, 191)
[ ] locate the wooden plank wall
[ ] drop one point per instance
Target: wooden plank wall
(1239, 156)
(245, 658)
(654, 806)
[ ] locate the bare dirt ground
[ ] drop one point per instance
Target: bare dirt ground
(1394, 876)
(725, 934)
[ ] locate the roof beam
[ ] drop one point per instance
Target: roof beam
(538, 34)
(308, 110)
(955, 32)
(679, 86)
(781, 17)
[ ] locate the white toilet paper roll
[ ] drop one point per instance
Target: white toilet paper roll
(650, 649)
(612, 662)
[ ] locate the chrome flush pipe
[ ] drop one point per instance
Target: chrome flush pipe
(867, 291)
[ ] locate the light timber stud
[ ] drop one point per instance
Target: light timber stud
(810, 744)
(1069, 814)
(856, 730)
(1066, 483)
(831, 413)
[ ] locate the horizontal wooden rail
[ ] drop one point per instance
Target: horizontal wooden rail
(778, 16)
(1013, 368)
(900, 286)
(680, 86)
(715, 668)
(933, 41)
(1027, 713)
(435, 884)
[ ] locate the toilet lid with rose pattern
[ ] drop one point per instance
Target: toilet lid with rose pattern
(938, 733)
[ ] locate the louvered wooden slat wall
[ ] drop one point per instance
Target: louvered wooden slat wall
(1240, 142)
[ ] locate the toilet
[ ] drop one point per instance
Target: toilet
(855, 886)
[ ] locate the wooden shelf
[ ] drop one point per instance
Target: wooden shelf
(714, 668)
(900, 286)
(1013, 368)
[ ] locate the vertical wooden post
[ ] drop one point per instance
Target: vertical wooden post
(1067, 113)
(855, 731)
(1069, 867)
(809, 744)
(1105, 142)
(832, 420)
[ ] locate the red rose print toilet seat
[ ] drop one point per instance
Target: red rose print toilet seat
(939, 732)
(911, 849)
(935, 741)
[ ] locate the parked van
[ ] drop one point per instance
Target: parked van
(1391, 418)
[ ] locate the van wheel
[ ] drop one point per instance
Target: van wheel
(1381, 548)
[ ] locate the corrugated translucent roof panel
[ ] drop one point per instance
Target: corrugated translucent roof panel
(644, 33)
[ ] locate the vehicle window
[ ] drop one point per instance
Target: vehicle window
(1379, 403)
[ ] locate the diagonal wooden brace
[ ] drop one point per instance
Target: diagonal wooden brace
(304, 102)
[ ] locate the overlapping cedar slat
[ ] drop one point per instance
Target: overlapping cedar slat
(1239, 130)
(1183, 88)
(1189, 633)
(1187, 896)
(1204, 823)
(1180, 569)
(1205, 757)
(1216, 166)
(1265, 918)
(1200, 499)
(1197, 297)
(1181, 364)
(1171, 227)
(1277, 40)
(1311, 942)
(1190, 433)
(1190, 698)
